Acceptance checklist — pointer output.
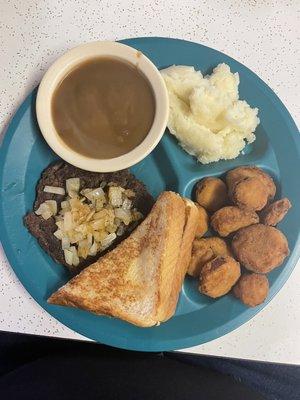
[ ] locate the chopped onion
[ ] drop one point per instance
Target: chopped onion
(90, 216)
(65, 243)
(98, 224)
(55, 190)
(86, 191)
(46, 215)
(75, 258)
(91, 220)
(99, 204)
(58, 234)
(75, 203)
(108, 240)
(68, 256)
(73, 185)
(120, 230)
(95, 194)
(115, 196)
(123, 215)
(127, 204)
(93, 249)
(42, 209)
(83, 248)
(68, 221)
(52, 206)
(89, 239)
(65, 205)
(47, 209)
(60, 224)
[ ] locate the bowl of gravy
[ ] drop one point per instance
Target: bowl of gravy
(102, 106)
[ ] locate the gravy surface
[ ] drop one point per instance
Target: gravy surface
(103, 108)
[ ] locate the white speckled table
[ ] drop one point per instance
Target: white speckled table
(261, 34)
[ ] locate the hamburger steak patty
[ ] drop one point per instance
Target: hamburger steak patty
(56, 175)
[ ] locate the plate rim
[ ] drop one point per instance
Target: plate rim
(163, 344)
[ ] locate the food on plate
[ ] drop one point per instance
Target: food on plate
(231, 218)
(211, 193)
(205, 250)
(206, 115)
(275, 212)
(79, 214)
(250, 193)
(103, 108)
(238, 174)
(260, 248)
(218, 276)
(140, 280)
(189, 232)
(252, 289)
(203, 221)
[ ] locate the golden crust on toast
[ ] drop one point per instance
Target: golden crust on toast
(140, 280)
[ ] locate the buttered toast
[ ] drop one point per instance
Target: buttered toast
(140, 280)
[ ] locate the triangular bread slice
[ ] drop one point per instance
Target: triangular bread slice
(140, 280)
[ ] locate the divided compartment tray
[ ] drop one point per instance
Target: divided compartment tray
(24, 155)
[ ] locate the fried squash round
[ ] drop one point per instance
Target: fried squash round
(275, 212)
(250, 193)
(236, 175)
(211, 193)
(231, 218)
(252, 289)
(260, 248)
(218, 276)
(205, 250)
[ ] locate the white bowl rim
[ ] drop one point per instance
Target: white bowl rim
(65, 64)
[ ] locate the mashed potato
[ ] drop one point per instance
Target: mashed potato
(206, 114)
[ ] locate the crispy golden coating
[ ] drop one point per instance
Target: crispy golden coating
(252, 289)
(229, 219)
(211, 193)
(260, 248)
(275, 212)
(218, 276)
(250, 193)
(205, 250)
(238, 174)
(203, 222)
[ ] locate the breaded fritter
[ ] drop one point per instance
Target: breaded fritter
(260, 248)
(205, 250)
(275, 212)
(203, 222)
(252, 289)
(218, 276)
(250, 193)
(231, 218)
(238, 174)
(211, 193)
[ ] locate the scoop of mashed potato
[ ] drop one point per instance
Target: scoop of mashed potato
(206, 114)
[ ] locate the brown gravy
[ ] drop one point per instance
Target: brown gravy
(103, 108)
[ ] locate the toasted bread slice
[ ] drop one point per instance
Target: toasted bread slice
(189, 233)
(139, 281)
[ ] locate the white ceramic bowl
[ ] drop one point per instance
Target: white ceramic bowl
(63, 66)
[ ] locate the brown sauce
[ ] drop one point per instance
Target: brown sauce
(103, 108)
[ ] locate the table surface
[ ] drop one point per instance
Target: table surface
(260, 34)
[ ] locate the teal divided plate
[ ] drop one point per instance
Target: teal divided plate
(198, 319)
